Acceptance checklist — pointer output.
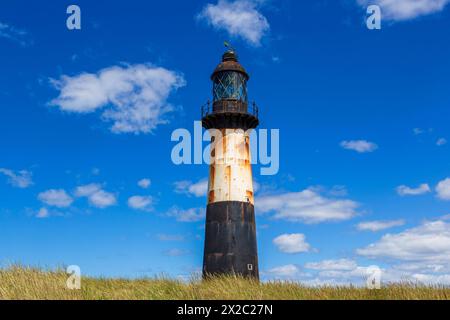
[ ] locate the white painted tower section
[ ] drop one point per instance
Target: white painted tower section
(230, 173)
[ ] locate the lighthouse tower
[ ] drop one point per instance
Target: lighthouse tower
(230, 236)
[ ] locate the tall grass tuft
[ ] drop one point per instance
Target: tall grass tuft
(32, 283)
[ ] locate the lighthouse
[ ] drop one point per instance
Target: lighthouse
(230, 233)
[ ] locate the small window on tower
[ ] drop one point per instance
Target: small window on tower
(250, 267)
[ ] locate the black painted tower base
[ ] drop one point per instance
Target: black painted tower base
(230, 240)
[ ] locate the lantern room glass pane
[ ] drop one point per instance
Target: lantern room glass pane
(230, 85)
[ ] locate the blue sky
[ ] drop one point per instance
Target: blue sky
(87, 117)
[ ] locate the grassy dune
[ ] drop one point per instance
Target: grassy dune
(28, 283)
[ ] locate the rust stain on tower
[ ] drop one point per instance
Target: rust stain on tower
(230, 236)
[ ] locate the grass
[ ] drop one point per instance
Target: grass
(31, 283)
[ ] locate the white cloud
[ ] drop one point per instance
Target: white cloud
(441, 141)
(379, 225)
(289, 270)
(355, 276)
(14, 34)
(418, 272)
(292, 243)
(341, 265)
(97, 197)
(200, 188)
(336, 272)
(344, 272)
(440, 279)
(102, 199)
(338, 191)
(256, 186)
(406, 9)
(176, 252)
(87, 190)
(429, 242)
(443, 189)
(239, 18)
(43, 213)
(197, 189)
(21, 179)
(141, 203)
(407, 191)
(188, 215)
(144, 183)
(418, 131)
(416, 255)
(133, 98)
(170, 237)
(418, 267)
(360, 146)
(325, 273)
(306, 206)
(56, 198)
(424, 268)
